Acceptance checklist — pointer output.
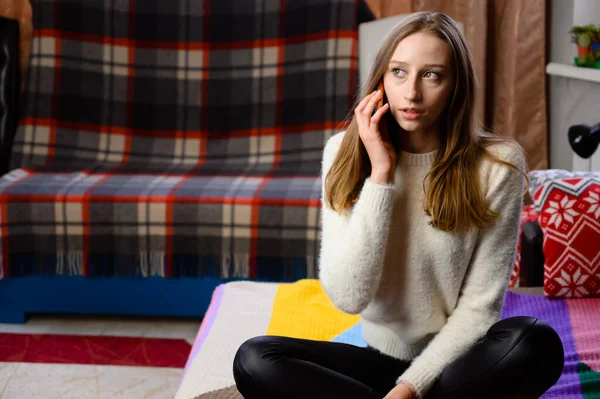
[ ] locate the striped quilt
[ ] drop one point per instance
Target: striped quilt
(177, 140)
(303, 310)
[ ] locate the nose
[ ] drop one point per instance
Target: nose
(413, 90)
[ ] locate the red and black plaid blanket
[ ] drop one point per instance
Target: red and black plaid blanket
(178, 138)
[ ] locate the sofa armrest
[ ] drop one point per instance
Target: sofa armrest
(9, 88)
(532, 255)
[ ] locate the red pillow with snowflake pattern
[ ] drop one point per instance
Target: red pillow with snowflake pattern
(569, 214)
(529, 214)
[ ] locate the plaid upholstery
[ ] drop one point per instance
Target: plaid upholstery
(176, 141)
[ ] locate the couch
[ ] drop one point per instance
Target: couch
(160, 151)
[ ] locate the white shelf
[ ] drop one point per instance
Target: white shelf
(574, 72)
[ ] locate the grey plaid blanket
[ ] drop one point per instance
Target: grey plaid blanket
(179, 139)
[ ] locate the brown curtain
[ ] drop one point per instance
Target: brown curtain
(21, 11)
(507, 40)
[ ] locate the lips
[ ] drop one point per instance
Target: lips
(411, 113)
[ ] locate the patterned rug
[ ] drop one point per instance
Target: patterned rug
(93, 350)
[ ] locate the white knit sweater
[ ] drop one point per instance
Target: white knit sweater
(424, 294)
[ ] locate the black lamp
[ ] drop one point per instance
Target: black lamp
(584, 139)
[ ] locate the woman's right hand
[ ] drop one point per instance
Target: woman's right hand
(378, 145)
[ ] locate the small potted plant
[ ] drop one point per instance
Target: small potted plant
(587, 39)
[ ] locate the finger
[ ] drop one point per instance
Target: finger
(368, 110)
(376, 118)
(361, 106)
(361, 119)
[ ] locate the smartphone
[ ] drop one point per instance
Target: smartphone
(380, 102)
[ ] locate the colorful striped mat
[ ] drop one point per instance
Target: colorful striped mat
(242, 310)
(577, 321)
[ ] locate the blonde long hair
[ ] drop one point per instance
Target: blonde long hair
(453, 199)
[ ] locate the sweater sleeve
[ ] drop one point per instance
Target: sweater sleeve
(352, 245)
(486, 280)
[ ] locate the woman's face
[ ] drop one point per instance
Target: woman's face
(419, 81)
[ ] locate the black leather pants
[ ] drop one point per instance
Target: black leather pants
(520, 357)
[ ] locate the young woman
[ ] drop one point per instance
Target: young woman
(420, 219)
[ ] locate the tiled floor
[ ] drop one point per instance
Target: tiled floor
(49, 381)
(115, 326)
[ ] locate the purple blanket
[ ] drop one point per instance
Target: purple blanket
(577, 321)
